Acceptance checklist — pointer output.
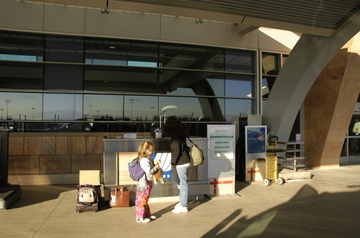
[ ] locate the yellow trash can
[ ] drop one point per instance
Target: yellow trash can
(272, 162)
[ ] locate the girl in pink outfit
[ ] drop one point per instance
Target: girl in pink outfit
(145, 184)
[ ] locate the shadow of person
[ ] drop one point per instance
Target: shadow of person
(34, 194)
(221, 175)
(306, 214)
(191, 205)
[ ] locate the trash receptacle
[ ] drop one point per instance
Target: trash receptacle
(272, 162)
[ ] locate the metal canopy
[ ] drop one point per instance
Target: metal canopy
(321, 13)
(316, 17)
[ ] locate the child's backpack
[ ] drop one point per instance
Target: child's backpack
(87, 198)
(87, 195)
(135, 170)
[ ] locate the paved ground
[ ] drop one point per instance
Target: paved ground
(328, 205)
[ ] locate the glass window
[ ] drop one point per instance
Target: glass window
(120, 79)
(270, 64)
(284, 58)
(354, 146)
(63, 107)
(117, 52)
(63, 77)
(240, 61)
(267, 84)
(263, 103)
(237, 107)
(100, 106)
(239, 86)
(140, 108)
(21, 75)
(64, 49)
(191, 57)
(354, 128)
(21, 46)
(207, 109)
(20, 106)
(189, 83)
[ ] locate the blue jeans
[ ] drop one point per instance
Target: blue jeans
(180, 176)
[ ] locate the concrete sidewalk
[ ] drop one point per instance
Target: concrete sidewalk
(328, 205)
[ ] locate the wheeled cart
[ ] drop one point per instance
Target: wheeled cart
(89, 195)
(271, 175)
(88, 198)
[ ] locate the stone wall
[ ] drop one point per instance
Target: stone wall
(329, 106)
(55, 158)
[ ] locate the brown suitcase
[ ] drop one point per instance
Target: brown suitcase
(119, 197)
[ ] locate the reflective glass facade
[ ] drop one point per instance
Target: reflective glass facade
(351, 147)
(64, 83)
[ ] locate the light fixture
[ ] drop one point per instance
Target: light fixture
(198, 21)
(106, 9)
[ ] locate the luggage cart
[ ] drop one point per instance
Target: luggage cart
(271, 175)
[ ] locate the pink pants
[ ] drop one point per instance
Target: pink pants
(143, 190)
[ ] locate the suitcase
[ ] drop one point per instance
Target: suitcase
(87, 198)
(119, 197)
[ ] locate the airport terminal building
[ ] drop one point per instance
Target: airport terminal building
(74, 73)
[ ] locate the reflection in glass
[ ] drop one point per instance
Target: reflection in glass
(284, 58)
(64, 49)
(239, 61)
(21, 46)
(207, 109)
(120, 52)
(270, 64)
(267, 84)
(141, 108)
(63, 107)
(344, 149)
(263, 105)
(100, 106)
(20, 106)
(237, 107)
(191, 57)
(189, 83)
(354, 146)
(354, 127)
(21, 75)
(193, 81)
(239, 85)
(120, 79)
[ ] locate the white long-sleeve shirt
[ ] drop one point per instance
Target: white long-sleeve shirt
(149, 168)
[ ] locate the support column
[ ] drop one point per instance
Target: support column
(304, 64)
(329, 106)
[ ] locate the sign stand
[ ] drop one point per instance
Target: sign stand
(221, 160)
(255, 148)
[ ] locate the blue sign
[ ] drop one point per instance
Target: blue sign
(256, 140)
(165, 163)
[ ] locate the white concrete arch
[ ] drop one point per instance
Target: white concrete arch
(305, 62)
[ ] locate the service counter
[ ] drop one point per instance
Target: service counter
(119, 152)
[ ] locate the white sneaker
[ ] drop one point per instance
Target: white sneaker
(145, 220)
(180, 209)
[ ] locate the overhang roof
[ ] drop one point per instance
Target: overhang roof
(318, 17)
